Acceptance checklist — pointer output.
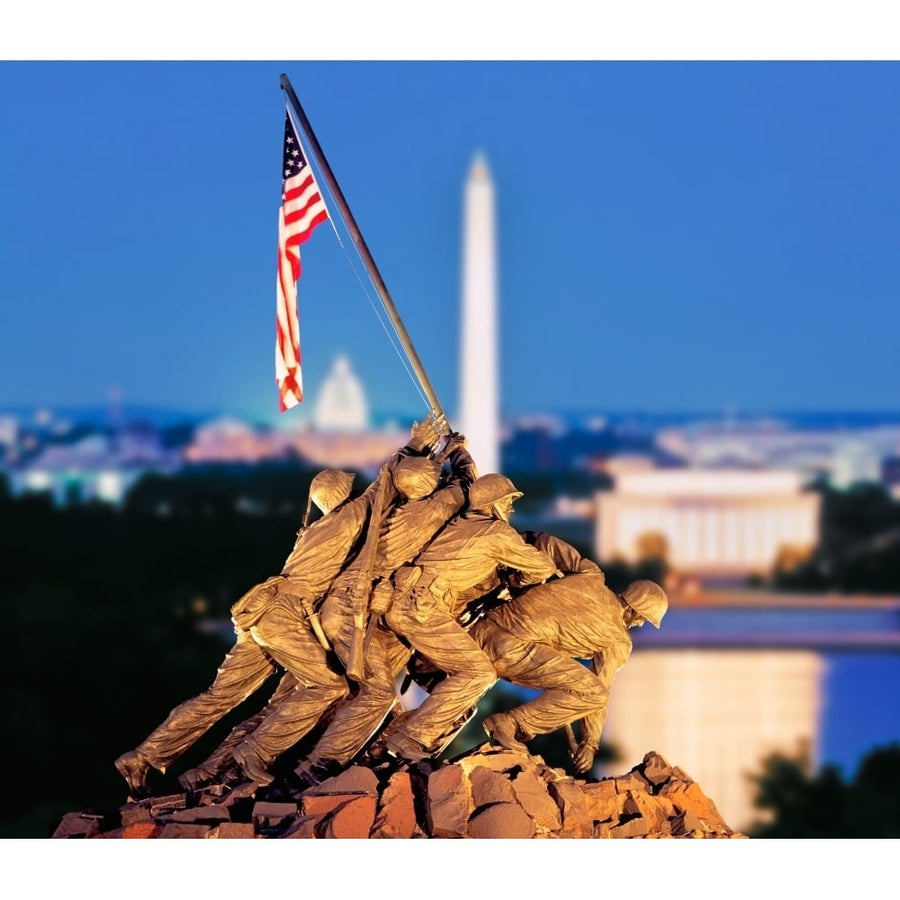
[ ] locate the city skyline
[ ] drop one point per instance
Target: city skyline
(672, 236)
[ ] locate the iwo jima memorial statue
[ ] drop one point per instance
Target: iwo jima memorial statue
(420, 577)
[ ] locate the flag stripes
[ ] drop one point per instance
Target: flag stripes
(302, 209)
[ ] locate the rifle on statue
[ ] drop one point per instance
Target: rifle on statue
(356, 660)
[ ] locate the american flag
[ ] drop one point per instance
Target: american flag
(302, 209)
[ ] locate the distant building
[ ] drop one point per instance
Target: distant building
(854, 462)
(890, 475)
(714, 521)
(842, 456)
(624, 464)
(9, 431)
(361, 451)
(341, 405)
(98, 467)
(229, 440)
(340, 435)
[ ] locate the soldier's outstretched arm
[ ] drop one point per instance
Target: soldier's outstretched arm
(568, 560)
(533, 565)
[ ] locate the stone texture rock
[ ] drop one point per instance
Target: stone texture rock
(162, 805)
(353, 819)
(687, 823)
(501, 820)
(490, 787)
(231, 830)
(448, 803)
(655, 769)
(632, 781)
(200, 814)
(132, 813)
(355, 780)
(397, 815)
(488, 793)
(498, 760)
(273, 815)
(322, 805)
(531, 794)
(602, 799)
(142, 830)
(635, 827)
(655, 811)
(688, 797)
(304, 827)
(576, 818)
(182, 830)
(78, 825)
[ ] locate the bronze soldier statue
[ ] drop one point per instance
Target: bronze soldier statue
(412, 517)
(273, 627)
(536, 639)
(425, 508)
(462, 563)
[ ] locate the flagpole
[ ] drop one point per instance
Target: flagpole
(358, 239)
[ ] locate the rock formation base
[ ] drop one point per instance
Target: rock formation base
(490, 792)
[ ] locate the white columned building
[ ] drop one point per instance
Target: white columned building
(727, 522)
(478, 397)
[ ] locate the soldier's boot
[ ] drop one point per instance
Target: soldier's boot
(196, 778)
(448, 738)
(502, 728)
(400, 745)
(133, 766)
(252, 765)
(311, 772)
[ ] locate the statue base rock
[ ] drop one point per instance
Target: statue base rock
(490, 792)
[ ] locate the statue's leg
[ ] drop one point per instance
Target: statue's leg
(243, 671)
(357, 720)
(571, 691)
(222, 758)
(287, 637)
(470, 674)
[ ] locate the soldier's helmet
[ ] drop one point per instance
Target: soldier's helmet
(489, 489)
(330, 488)
(416, 477)
(648, 599)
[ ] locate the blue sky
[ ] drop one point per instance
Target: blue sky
(673, 235)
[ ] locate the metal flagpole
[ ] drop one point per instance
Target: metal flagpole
(378, 281)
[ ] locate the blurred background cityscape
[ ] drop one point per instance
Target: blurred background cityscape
(127, 529)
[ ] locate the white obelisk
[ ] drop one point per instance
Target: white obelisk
(478, 398)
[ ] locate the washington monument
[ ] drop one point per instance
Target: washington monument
(479, 405)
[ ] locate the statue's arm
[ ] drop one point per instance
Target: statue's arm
(532, 565)
(605, 665)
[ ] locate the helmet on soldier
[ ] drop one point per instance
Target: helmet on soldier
(330, 488)
(416, 477)
(487, 490)
(647, 599)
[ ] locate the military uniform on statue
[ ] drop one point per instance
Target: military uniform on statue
(461, 564)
